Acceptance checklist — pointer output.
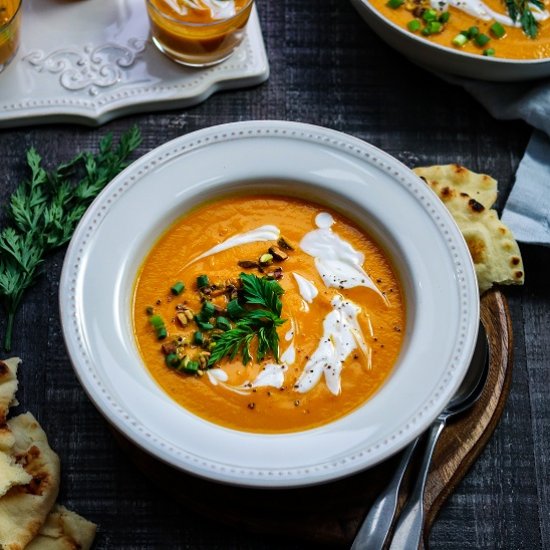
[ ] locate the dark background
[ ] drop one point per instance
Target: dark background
(327, 68)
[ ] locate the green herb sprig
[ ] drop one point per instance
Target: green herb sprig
(520, 10)
(260, 323)
(44, 210)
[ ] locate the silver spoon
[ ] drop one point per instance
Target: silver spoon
(409, 527)
(374, 532)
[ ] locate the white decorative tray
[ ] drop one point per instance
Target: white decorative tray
(89, 61)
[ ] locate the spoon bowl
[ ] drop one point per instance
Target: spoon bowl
(474, 381)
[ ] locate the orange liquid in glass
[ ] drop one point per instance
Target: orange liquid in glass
(9, 30)
(196, 38)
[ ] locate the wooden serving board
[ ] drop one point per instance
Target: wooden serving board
(331, 514)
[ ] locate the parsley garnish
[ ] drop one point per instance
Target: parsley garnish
(520, 10)
(44, 211)
(259, 323)
(263, 292)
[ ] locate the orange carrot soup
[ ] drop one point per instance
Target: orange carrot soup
(512, 29)
(198, 32)
(268, 314)
(9, 30)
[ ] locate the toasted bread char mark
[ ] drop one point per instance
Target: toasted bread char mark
(477, 249)
(474, 205)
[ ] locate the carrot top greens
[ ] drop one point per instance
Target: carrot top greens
(44, 211)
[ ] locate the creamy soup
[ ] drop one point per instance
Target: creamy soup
(198, 31)
(268, 314)
(9, 29)
(484, 27)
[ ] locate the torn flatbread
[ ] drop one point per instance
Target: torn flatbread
(64, 530)
(24, 508)
(8, 388)
(481, 187)
(11, 473)
(495, 252)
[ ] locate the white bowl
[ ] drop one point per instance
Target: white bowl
(446, 59)
(370, 187)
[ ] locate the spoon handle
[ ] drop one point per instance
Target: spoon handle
(409, 527)
(375, 529)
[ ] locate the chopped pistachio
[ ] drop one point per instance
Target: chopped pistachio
(168, 348)
(276, 274)
(278, 254)
(265, 259)
(284, 244)
(218, 292)
(203, 359)
(233, 282)
(182, 319)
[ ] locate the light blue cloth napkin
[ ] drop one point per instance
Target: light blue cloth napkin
(527, 211)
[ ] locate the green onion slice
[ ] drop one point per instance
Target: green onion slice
(177, 288)
(497, 30)
(202, 281)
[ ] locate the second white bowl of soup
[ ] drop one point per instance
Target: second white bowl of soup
(471, 38)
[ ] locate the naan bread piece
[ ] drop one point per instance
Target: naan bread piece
(8, 387)
(7, 440)
(481, 187)
(64, 530)
(495, 252)
(11, 474)
(24, 508)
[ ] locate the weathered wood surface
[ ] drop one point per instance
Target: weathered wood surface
(327, 68)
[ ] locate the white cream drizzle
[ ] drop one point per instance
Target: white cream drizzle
(290, 332)
(271, 375)
(260, 234)
(371, 329)
(337, 262)
(480, 10)
(219, 9)
(289, 356)
(307, 289)
(341, 336)
(216, 376)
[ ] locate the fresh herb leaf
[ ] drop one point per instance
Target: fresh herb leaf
(520, 10)
(233, 342)
(45, 209)
(260, 324)
(512, 8)
(529, 24)
(264, 292)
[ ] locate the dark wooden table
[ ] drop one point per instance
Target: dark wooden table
(327, 68)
